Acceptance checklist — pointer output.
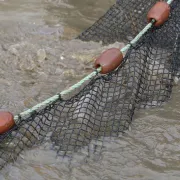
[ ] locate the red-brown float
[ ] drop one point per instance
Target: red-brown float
(6, 121)
(160, 12)
(109, 60)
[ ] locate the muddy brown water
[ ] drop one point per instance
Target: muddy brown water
(38, 59)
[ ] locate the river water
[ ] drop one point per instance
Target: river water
(39, 59)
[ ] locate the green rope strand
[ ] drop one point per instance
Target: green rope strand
(136, 39)
(170, 1)
(56, 97)
(87, 78)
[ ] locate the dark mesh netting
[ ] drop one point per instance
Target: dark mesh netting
(122, 22)
(104, 106)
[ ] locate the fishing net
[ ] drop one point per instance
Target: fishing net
(104, 105)
(122, 22)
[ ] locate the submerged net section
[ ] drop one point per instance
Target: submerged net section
(104, 106)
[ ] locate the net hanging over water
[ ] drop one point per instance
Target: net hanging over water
(104, 105)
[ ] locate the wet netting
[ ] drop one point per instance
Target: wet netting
(103, 106)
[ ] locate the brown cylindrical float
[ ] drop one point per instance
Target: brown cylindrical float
(160, 12)
(109, 60)
(6, 121)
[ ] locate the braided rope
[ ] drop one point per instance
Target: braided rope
(170, 1)
(56, 97)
